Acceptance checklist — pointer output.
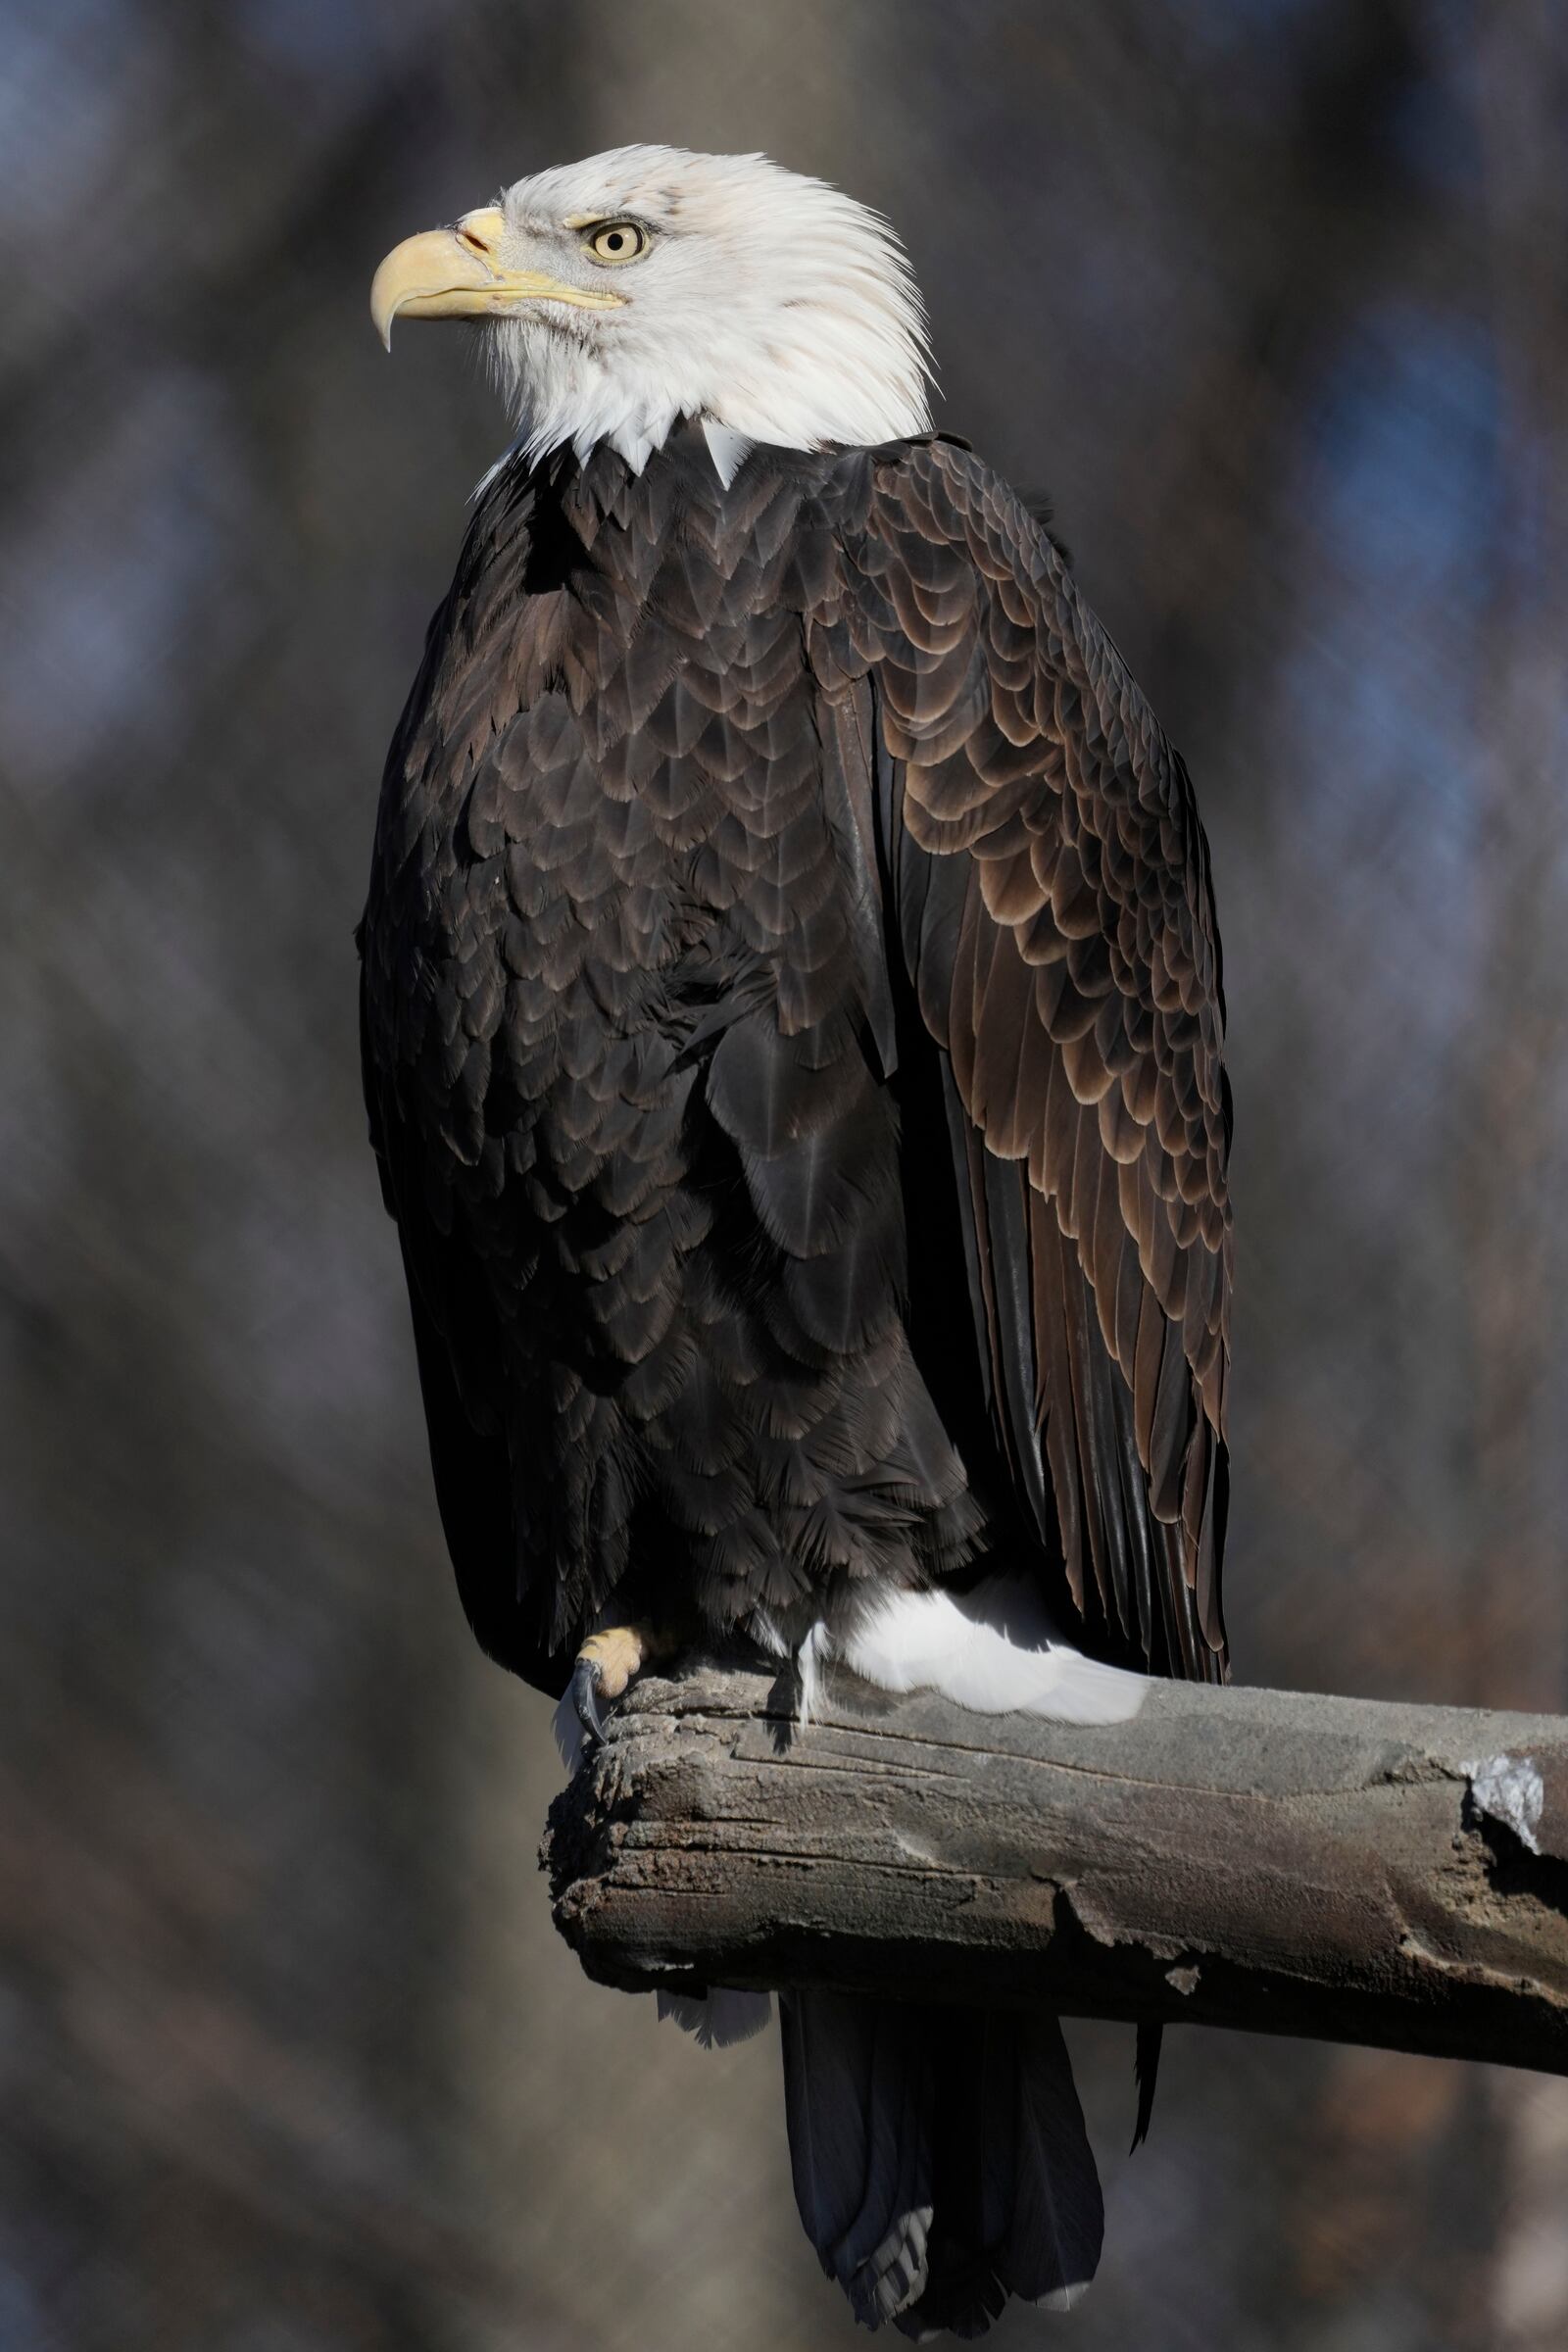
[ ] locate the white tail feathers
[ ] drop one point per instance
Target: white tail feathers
(984, 1654)
(719, 2016)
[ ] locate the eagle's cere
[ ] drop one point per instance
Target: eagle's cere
(791, 1028)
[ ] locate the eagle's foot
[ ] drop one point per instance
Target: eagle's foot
(606, 1664)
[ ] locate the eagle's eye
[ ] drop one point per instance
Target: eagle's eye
(618, 241)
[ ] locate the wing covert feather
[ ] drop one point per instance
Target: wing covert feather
(1048, 881)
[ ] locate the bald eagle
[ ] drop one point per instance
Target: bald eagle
(791, 1035)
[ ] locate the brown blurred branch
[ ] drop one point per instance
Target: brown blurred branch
(1344, 1869)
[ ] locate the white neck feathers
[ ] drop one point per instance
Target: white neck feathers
(769, 306)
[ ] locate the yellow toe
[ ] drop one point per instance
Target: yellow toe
(618, 1652)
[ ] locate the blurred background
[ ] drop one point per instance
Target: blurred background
(1272, 295)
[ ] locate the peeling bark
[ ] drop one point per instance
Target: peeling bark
(1273, 1860)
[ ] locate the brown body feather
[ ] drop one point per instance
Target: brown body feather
(792, 1040)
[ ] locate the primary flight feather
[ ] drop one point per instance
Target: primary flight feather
(791, 1026)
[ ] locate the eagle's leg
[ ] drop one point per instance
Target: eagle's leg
(606, 1664)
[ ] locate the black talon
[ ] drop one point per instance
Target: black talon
(585, 1699)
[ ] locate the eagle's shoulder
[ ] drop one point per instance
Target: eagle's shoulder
(949, 488)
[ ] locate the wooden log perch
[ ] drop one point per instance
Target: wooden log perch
(1286, 1863)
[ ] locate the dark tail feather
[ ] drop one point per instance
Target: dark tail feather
(940, 2159)
(857, 2090)
(1145, 2074)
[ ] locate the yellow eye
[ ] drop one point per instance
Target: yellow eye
(618, 241)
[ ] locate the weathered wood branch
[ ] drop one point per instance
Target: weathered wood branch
(1290, 1864)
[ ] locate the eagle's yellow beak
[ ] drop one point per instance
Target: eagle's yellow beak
(454, 273)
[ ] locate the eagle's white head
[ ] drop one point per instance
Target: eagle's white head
(650, 284)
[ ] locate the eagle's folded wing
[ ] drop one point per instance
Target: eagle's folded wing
(1048, 879)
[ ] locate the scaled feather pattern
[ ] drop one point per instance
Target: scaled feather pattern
(792, 1024)
(772, 884)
